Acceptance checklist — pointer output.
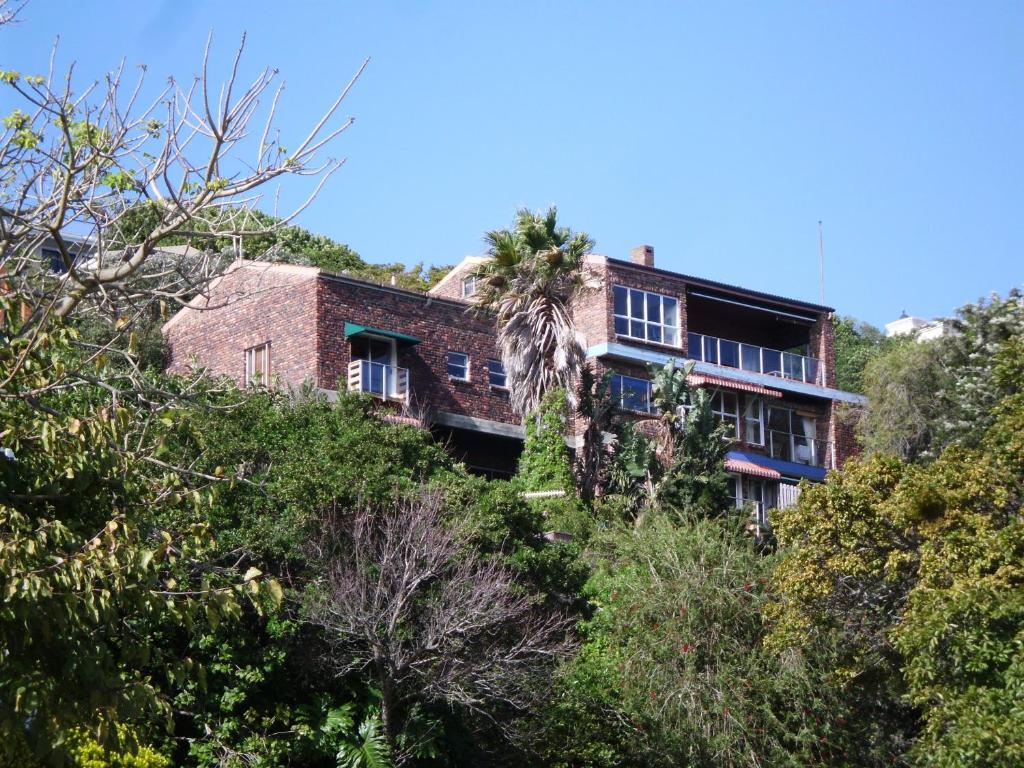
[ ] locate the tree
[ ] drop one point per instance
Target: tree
(86, 573)
(923, 397)
(86, 160)
(673, 670)
(856, 344)
(433, 625)
(914, 572)
(674, 463)
(535, 272)
(903, 405)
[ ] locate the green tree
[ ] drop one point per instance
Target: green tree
(535, 272)
(673, 670)
(856, 344)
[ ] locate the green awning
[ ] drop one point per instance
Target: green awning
(352, 329)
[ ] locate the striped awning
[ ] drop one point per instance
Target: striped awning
(744, 467)
(707, 380)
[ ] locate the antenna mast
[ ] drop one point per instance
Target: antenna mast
(821, 262)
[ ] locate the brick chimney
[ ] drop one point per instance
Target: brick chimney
(642, 255)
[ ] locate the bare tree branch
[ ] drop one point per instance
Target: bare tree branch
(402, 599)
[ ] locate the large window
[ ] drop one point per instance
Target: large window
(496, 375)
(725, 405)
(458, 366)
(257, 366)
(791, 436)
(631, 394)
(646, 316)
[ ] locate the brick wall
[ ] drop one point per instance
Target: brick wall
(252, 304)
(442, 325)
(823, 346)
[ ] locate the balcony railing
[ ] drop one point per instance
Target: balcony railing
(387, 382)
(799, 449)
(748, 357)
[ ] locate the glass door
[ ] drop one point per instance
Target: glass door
(378, 356)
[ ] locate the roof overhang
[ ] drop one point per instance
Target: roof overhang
(354, 329)
(706, 380)
(632, 354)
(776, 469)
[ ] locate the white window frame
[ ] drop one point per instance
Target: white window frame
(750, 419)
(469, 286)
(617, 382)
(718, 408)
(632, 316)
(250, 365)
(465, 366)
(491, 373)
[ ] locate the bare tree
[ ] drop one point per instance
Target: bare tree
(402, 599)
(9, 11)
(101, 178)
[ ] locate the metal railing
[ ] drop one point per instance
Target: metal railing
(800, 449)
(749, 357)
(387, 382)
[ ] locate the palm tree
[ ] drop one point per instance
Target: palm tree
(535, 272)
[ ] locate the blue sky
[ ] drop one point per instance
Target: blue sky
(719, 133)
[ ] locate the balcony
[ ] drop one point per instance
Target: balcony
(799, 449)
(387, 382)
(748, 357)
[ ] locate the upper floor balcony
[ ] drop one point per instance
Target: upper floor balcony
(388, 382)
(750, 357)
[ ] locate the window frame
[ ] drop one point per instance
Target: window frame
(491, 373)
(618, 393)
(645, 320)
(751, 400)
(465, 366)
(723, 415)
(471, 280)
(250, 365)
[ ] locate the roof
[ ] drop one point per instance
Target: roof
(704, 379)
(724, 287)
(458, 270)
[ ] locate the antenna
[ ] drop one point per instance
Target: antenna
(821, 262)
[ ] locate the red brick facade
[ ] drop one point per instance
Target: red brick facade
(302, 313)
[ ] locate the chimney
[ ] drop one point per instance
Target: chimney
(642, 255)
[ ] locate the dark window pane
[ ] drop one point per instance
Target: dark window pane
(653, 332)
(710, 349)
(636, 303)
(620, 299)
(622, 326)
(636, 329)
(653, 308)
(751, 357)
(772, 361)
(671, 307)
(730, 352)
(693, 346)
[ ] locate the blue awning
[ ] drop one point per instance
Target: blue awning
(352, 329)
(785, 468)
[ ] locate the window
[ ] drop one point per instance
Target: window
(496, 374)
(458, 366)
(468, 286)
(725, 405)
(753, 421)
(631, 394)
(54, 260)
(257, 365)
(646, 316)
(791, 436)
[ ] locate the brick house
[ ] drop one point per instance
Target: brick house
(769, 360)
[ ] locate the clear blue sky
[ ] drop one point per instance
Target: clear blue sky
(719, 133)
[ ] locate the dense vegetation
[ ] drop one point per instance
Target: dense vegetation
(179, 586)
